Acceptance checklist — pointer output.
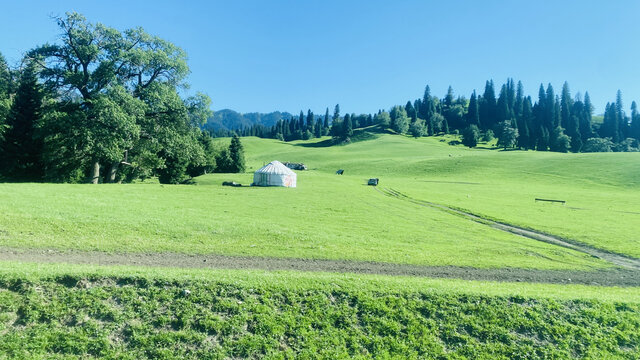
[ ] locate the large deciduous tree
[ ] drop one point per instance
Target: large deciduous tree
(118, 102)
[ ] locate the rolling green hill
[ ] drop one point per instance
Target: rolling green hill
(160, 271)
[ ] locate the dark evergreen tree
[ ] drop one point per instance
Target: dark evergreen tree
(301, 124)
(488, 112)
(549, 108)
(634, 131)
(20, 156)
(416, 107)
(470, 136)
(565, 108)
(310, 126)
(347, 126)
(511, 97)
(519, 101)
(503, 111)
(427, 110)
(318, 128)
(411, 111)
(585, 119)
(623, 123)
(610, 127)
(448, 99)
(236, 154)
(473, 114)
(556, 111)
(525, 121)
(542, 143)
(325, 125)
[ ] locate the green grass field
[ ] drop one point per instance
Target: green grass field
(80, 311)
(338, 217)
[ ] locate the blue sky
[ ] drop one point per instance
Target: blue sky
(365, 55)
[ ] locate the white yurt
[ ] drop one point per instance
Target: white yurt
(274, 174)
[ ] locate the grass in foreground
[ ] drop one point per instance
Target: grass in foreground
(48, 311)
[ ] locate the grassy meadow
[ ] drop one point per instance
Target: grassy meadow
(326, 217)
(70, 311)
(601, 190)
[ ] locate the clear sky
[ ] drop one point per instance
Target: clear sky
(366, 55)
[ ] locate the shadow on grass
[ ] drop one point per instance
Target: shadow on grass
(364, 134)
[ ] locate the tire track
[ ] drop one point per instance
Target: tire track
(614, 258)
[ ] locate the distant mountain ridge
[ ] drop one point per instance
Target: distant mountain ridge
(227, 119)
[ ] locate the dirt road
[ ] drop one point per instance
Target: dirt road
(609, 277)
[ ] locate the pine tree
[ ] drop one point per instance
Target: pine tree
(347, 126)
(236, 154)
(524, 136)
(565, 108)
(336, 113)
(448, 99)
(318, 128)
(610, 125)
(518, 105)
(556, 111)
(623, 123)
(20, 157)
(511, 98)
(570, 121)
(543, 139)
(411, 111)
(634, 131)
(585, 119)
(427, 110)
(549, 108)
(473, 114)
(503, 111)
(488, 115)
(310, 122)
(300, 125)
(470, 136)
(325, 125)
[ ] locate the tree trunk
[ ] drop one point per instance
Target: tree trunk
(113, 171)
(96, 173)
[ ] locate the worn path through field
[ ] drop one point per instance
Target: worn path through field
(605, 277)
(614, 258)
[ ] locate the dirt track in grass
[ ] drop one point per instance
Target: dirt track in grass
(621, 260)
(609, 277)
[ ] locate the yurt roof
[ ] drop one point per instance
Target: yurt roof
(275, 167)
